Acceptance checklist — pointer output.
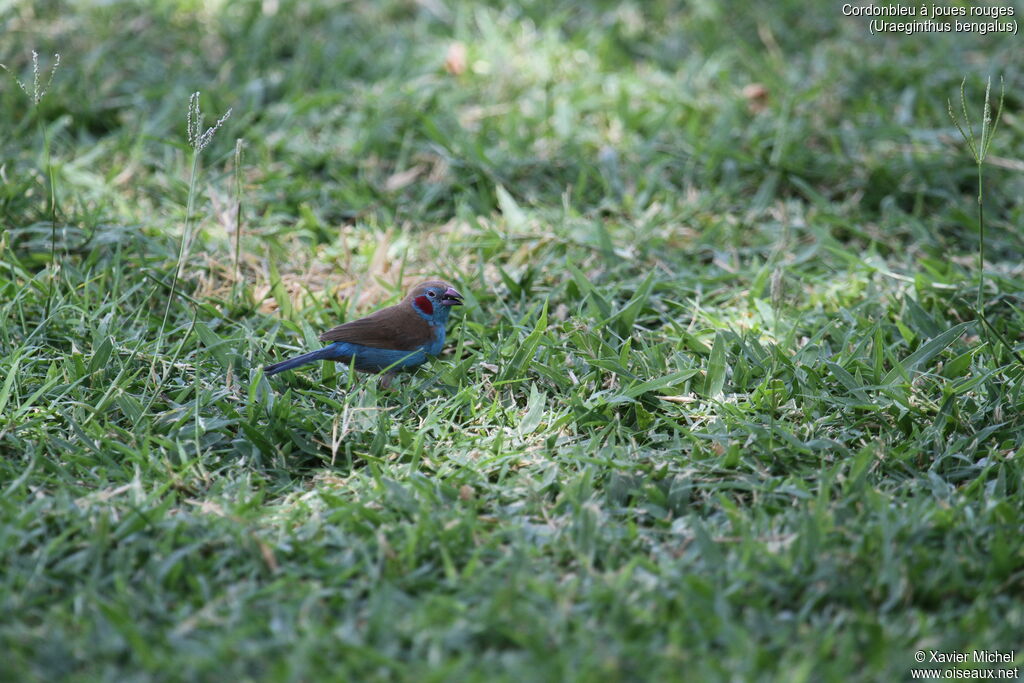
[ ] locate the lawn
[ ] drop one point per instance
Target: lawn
(731, 397)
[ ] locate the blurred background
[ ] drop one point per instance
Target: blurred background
(410, 114)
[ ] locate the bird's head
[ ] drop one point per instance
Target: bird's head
(433, 299)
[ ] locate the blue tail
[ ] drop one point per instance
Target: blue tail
(326, 353)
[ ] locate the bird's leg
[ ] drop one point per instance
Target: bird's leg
(386, 379)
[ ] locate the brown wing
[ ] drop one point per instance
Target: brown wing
(396, 327)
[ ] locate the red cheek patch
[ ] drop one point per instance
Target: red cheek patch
(423, 303)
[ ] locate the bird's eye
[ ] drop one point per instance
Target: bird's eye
(432, 294)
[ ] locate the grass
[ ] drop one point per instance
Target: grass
(719, 405)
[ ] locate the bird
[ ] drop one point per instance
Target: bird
(398, 337)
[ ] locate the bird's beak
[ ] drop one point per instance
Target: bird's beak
(451, 297)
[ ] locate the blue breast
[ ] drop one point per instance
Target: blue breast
(435, 346)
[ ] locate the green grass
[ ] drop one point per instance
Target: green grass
(719, 406)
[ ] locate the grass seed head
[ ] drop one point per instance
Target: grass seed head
(197, 137)
(38, 92)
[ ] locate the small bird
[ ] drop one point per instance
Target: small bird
(398, 337)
